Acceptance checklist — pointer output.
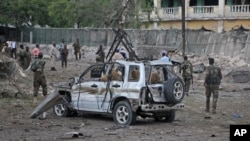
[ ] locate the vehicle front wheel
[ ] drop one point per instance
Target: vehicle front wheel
(61, 110)
(169, 117)
(123, 114)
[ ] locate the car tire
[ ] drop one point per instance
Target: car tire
(62, 110)
(123, 114)
(169, 117)
(174, 90)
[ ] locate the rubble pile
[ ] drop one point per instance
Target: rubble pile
(234, 69)
(13, 80)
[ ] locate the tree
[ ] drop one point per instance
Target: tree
(20, 12)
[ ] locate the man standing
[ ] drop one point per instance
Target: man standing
(165, 58)
(39, 78)
(100, 54)
(61, 46)
(187, 73)
(64, 54)
(212, 83)
(21, 57)
(13, 49)
(27, 58)
(36, 51)
(53, 57)
(77, 49)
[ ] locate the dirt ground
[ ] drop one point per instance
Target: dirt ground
(191, 124)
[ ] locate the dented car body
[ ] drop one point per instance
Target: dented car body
(124, 89)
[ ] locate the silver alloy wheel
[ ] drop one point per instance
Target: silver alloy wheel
(122, 114)
(178, 90)
(60, 109)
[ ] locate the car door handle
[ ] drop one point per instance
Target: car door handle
(116, 86)
(94, 85)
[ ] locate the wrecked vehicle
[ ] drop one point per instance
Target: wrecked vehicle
(123, 89)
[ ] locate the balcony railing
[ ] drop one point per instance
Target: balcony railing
(240, 8)
(172, 10)
(203, 9)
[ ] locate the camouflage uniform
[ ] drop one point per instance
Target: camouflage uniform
(21, 60)
(77, 50)
(100, 55)
(212, 82)
(39, 77)
(187, 71)
(27, 58)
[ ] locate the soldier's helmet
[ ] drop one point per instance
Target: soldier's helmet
(40, 55)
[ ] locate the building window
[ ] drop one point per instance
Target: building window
(203, 2)
(170, 3)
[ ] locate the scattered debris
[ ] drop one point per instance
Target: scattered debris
(74, 134)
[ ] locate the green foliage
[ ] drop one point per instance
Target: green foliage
(67, 13)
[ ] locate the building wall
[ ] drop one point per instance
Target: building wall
(217, 18)
(198, 24)
(170, 24)
(236, 23)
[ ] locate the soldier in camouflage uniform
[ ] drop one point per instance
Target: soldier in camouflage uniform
(39, 77)
(187, 71)
(21, 57)
(77, 49)
(27, 58)
(100, 55)
(212, 82)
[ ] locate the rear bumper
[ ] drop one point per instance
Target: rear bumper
(161, 107)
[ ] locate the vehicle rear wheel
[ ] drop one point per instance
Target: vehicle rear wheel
(174, 90)
(123, 114)
(62, 110)
(169, 117)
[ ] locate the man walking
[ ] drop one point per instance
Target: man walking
(212, 83)
(187, 73)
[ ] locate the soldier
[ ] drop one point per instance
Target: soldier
(212, 82)
(100, 54)
(27, 58)
(53, 57)
(64, 55)
(77, 49)
(39, 78)
(187, 73)
(21, 56)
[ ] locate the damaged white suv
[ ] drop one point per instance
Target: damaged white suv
(124, 89)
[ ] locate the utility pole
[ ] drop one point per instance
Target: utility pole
(183, 27)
